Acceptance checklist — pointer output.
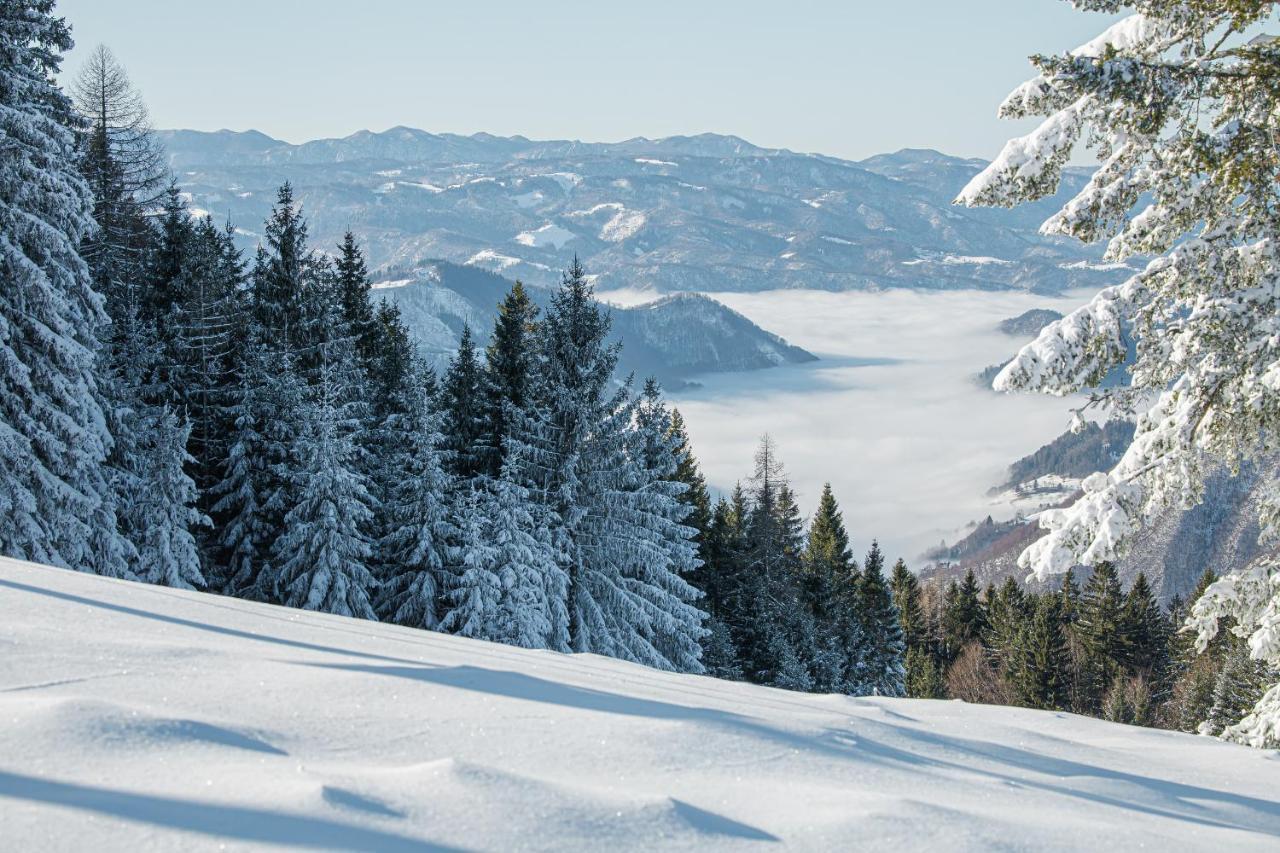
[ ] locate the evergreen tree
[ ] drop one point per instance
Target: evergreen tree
(1039, 663)
(356, 309)
(963, 620)
(462, 404)
(886, 650)
(53, 441)
(1148, 631)
(924, 677)
(324, 553)
(1240, 684)
(695, 495)
(906, 598)
(1102, 629)
(1007, 612)
(508, 375)
(414, 499)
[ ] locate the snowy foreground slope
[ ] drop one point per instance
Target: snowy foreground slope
(141, 718)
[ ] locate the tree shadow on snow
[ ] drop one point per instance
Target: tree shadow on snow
(1165, 798)
(255, 826)
(201, 626)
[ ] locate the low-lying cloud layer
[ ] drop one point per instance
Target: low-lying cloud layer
(890, 415)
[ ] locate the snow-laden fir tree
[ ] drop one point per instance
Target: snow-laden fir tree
(53, 436)
(257, 487)
(155, 497)
(885, 671)
(323, 556)
(662, 565)
(508, 381)
(1179, 101)
(462, 400)
(415, 504)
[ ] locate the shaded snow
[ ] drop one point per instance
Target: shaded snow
(138, 717)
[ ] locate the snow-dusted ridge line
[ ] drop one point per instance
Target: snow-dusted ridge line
(140, 716)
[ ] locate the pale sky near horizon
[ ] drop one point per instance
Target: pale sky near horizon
(849, 79)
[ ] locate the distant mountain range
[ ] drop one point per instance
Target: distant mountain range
(671, 339)
(701, 213)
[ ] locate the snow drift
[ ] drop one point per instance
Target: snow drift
(139, 717)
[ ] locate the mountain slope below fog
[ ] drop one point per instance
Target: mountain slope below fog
(138, 717)
(702, 213)
(671, 339)
(1173, 549)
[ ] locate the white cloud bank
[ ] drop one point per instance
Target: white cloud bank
(889, 415)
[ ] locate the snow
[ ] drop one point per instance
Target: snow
(422, 185)
(387, 285)
(491, 259)
(548, 235)
(1099, 267)
(957, 260)
(624, 224)
(141, 717)
(645, 161)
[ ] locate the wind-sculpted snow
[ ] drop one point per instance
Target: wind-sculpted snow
(707, 213)
(138, 717)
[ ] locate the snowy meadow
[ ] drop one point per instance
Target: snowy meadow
(890, 414)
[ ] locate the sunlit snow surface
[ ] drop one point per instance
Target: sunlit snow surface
(890, 414)
(140, 718)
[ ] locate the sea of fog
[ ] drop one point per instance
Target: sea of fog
(890, 414)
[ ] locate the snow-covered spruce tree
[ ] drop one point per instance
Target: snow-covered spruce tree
(462, 400)
(771, 628)
(352, 285)
(324, 553)
(1179, 101)
(885, 670)
(665, 550)
(507, 384)
(154, 496)
(256, 489)
(415, 504)
(53, 436)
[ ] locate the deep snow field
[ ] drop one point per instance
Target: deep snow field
(141, 718)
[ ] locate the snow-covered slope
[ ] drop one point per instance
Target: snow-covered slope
(141, 718)
(671, 338)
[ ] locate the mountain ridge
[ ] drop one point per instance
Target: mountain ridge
(707, 212)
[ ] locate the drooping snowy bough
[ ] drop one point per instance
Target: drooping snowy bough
(1181, 103)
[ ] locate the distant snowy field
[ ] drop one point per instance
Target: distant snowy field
(890, 414)
(140, 718)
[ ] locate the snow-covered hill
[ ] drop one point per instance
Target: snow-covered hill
(703, 213)
(671, 338)
(141, 718)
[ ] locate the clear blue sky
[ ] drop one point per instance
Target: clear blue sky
(849, 78)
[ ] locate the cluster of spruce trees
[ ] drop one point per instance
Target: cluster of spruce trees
(1095, 650)
(174, 414)
(788, 606)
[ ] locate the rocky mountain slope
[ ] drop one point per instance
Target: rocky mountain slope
(704, 213)
(672, 338)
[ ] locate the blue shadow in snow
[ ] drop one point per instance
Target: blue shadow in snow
(255, 826)
(191, 623)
